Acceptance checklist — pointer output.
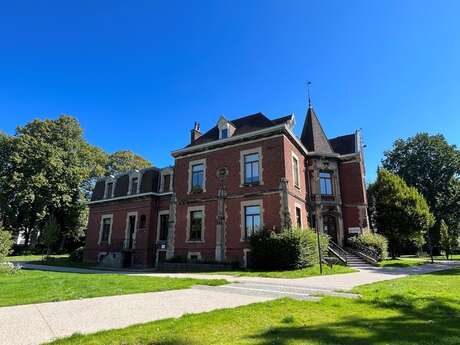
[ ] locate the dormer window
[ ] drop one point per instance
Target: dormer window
(134, 184)
(226, 128)
(108, 190)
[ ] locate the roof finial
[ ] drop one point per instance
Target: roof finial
(308, 92)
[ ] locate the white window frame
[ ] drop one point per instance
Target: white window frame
(203, 223)
(131, 177)
(162, 181)
(129, 214)
(295, 158)
(244, 153)
(161, 213)
(244, 204)
(101, 226)
(113, 181)
(190, 166)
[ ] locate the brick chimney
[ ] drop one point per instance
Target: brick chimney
(195, 132)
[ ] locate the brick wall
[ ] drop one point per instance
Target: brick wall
(145, 237)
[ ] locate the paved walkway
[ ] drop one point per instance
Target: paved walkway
(38, 323)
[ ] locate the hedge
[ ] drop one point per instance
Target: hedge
(291, 249)
(375, 242)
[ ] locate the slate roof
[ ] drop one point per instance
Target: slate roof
(149, 183)
(344, 144)
(313, 136)
(243, 125)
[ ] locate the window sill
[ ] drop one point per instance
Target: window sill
(252, 184)
(192, 241)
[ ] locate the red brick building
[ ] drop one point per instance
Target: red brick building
(241, 176)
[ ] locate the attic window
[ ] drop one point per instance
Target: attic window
(226, 128)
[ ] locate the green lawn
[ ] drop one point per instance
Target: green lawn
(301, 273)
(418, 310)
(53, 260)
(27, 287)
(404, 262)
(453, 257)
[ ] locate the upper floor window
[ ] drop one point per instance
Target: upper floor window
(198, 176)
(224, 133)
(251, 168)
(196, 226)
(295, 171)
(166, 183)
(109, 190)
(325, 183)
(134, 185)
(143, 221)
(251, 220)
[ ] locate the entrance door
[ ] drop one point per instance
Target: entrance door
(131, 230)
(330, 227)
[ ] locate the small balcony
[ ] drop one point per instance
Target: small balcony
(332, 198)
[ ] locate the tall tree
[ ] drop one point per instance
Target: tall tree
(44, 169)
(400, 212)
(430, 164)
(126, 160)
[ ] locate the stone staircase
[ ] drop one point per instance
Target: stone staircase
(355, 261)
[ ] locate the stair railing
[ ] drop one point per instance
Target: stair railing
(367, 251)
(338, 252)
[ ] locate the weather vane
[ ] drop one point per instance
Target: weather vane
(308, 92)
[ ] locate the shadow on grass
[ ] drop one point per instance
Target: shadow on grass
(418, 321)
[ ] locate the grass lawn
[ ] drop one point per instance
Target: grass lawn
(27, 287)
(418, 310)
(452, 257)
(404, 262)
(301, 273)
(53, 260)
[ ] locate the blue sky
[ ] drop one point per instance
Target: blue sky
(137, 74)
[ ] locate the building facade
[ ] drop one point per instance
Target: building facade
(242, 176)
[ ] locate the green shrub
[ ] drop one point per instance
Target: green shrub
(77, 254)
(6, 244)
(376, 242)
(291, 249)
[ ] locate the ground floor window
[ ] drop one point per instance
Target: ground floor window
(252, 220)
(298, 217)
(164, 227)
(196, 225)
(105, 231)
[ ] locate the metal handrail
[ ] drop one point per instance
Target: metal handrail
(338, 252)
(370, 252)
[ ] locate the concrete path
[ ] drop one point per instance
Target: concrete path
(38, 323)
(336, 282)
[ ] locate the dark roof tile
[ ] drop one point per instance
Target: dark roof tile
(243, 125)
(344, 144)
